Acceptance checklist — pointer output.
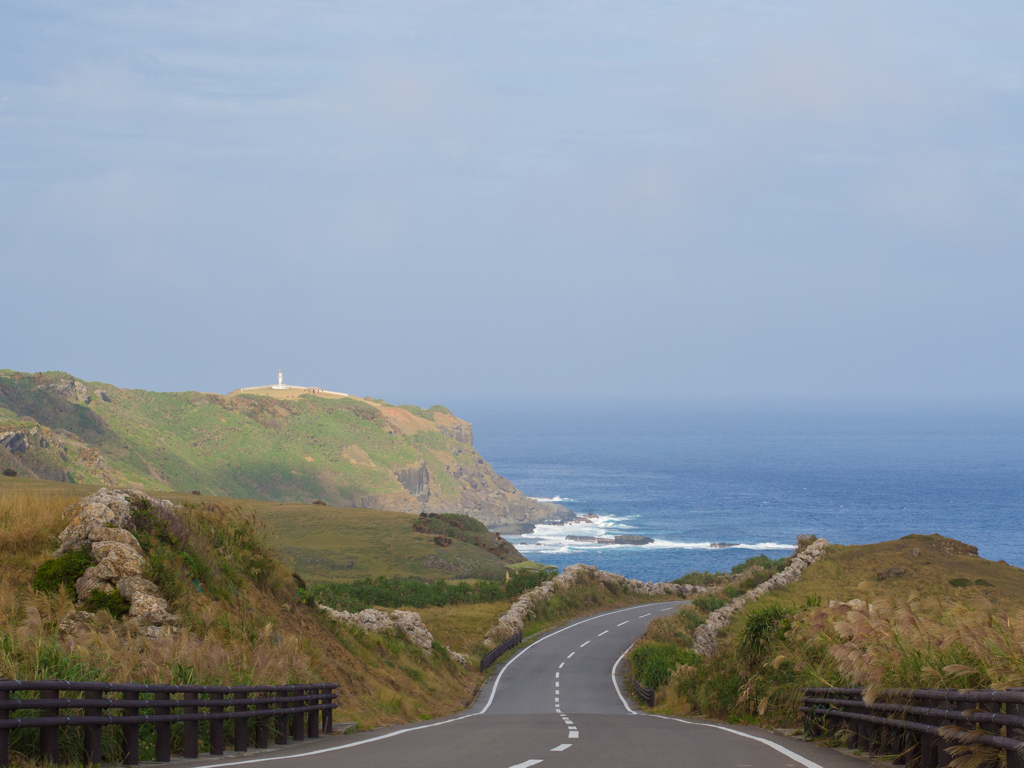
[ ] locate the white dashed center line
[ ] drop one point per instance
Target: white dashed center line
(561, 665)
(586, 643)
(568, 722)
(574, 734)
(571, 655)
(556, 684)
(645, 615)
(557, 675)
(625, 622)
(667, 609)
(527, 764)
(605, 632)
(561, 748)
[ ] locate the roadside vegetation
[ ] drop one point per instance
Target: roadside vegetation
(383, 592)
(920, 612)
(242, 620)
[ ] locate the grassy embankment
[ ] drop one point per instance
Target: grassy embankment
(241, 621)
(939, 617)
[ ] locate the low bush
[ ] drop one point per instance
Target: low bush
(960, 582)
(111, 602)
(397, 592)
(765, 625)
(708, 603)
(700, 579)
(652, 664)
(61, 571)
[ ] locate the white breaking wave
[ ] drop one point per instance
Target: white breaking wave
(552, 500)
(559, 545)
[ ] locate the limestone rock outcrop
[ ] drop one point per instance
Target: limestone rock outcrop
(101, 525)
(705, 637)
(372, 620)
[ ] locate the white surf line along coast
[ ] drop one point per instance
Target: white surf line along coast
(767, 742)
(490, 700)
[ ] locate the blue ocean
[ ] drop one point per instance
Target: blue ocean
(692, 476)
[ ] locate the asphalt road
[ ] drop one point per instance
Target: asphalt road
(560, 702)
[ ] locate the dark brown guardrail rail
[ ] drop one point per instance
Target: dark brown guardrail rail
(308, 705)
(908, 723)
(646, 695)
(493, 656)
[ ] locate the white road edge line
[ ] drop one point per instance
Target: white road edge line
(561, 748)
(777, 747)
(615, 682)
(490, 700)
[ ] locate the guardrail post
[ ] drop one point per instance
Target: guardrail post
(5, 734)
(943, 758)
(49, 735)
(216, 725)
(280, 720)
(130, 731)
(163, 730)
(92, 735)
(1014, 759)
(313, 721)
(262, 728)
(190, 729)
(297, 717)
(929, 743)
(329, 712)
(241, 723)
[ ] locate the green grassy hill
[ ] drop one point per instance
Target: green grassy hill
(285, 446)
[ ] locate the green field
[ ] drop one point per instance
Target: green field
(335, 543)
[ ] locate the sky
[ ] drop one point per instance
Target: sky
(429, 202)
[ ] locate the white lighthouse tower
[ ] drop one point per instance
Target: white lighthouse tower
(280, 381)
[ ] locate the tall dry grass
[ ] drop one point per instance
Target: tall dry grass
(921, 643)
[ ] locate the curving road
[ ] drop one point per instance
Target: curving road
(559, 702)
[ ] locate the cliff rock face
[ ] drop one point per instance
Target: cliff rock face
(278, 445)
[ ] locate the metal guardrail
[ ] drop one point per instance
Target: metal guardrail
(646, 695)
(913, 724)
(270, 705)
(492, 657)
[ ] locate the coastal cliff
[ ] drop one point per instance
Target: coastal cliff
(276, 445)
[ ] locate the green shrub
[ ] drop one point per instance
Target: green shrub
(398, 592)
(960, 582)
(111, 602)
(708, 603)
(653, 663)
(764, 626)
(983, 583)
(699, 579)
(731, 592)
(66, 570)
